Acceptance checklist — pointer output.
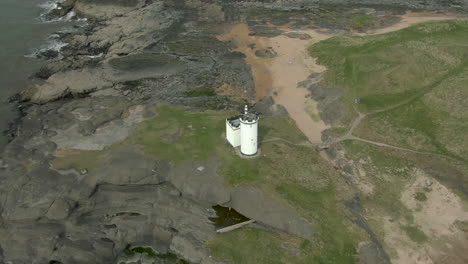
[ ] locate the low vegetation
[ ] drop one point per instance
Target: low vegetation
(411, 81)
(153, 256)
(415, 234)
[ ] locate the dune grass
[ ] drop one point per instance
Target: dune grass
(383, 70)
(415, 77)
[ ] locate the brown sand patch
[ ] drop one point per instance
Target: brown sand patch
(239, 35)
(437, 215)
(279, 76)
(404, 251)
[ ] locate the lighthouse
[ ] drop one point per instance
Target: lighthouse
(242, 131)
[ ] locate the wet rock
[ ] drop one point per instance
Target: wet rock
(264, 208)
(48, 54)
(44, 73)
(62, 9)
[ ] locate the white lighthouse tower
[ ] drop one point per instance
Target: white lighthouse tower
(242, 130)
(249, 133)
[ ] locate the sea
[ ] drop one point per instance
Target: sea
(24, 31)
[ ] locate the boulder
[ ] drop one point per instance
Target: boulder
(266, 53)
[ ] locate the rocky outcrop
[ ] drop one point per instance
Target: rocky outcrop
(63, 8)
(130, 166)
(105, 9)
(266, 209)
(201, 181)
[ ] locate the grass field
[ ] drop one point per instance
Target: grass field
(416, 77)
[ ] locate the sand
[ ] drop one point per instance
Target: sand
(279, 76)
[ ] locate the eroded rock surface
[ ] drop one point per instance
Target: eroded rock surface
(266, 209)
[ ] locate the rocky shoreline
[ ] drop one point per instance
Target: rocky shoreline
(132, 56)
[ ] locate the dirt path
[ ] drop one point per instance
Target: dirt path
(279, 76)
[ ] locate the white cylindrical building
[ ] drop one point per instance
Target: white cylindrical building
(248, 133)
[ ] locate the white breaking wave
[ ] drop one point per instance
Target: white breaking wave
(51, 5)
(47, 8)
(52, 44)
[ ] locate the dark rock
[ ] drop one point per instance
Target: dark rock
(130, 166)
(266, 53)
(44, 73)
(39, 189)
(373, 252)
(264, 106)
(48, 54)
(62, 10)
(301, 36)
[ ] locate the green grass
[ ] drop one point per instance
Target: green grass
(362, 21)
(436, 122)
(149, 252)
(251, 246)
(331, 227)
(333, 242)
(386, 69)
(388, 173)
(415, 234)
(416, 76)
(87, 160)
(177, 135)
(200, 92)
(142, 250)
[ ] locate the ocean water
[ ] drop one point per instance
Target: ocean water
(22, 31)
